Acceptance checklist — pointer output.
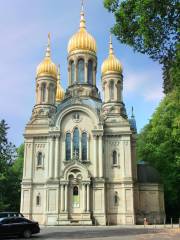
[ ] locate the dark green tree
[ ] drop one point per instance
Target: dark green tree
(14, 180)
(7, 156)
(150, 27)
(159, 144)
(11, 165)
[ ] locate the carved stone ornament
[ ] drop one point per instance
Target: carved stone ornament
(76, 117)
(114, 143)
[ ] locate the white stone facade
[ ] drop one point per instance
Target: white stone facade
(101, 189)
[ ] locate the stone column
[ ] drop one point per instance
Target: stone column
(88, 196)
(47, 92)
(84, 197)
(51, 158)
(100, 157)
(66, 197)
(56, 170)
(88, 145)
(80, 148)
(95, 155)
(62, 198)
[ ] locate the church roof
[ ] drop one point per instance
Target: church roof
(94, 104)
(147, 173)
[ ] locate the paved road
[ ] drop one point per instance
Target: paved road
(107, 233)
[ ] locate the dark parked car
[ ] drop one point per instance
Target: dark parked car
(10, 214)
(18, 226)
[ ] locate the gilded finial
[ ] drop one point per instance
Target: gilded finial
(82, 20)
(48, 50)
(111, 50)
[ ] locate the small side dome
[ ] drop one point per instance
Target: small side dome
(111, 64)
(60, 91)
(47, 67)
(82, 40)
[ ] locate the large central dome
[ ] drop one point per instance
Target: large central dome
(82, 40)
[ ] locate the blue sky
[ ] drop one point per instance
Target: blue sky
(24, 26)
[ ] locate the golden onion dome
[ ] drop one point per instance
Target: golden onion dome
(47, 67)
(111, 64)
(82, 40)
(59, 91)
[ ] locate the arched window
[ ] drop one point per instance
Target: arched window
(116, 198)
(68, 146)
(111, 90)
(76, 143)
(75, 191)
(51, 93)
(90, 72)
(72, 66)
(76, 196)
(38, 200)
(84, 146)
(81, 71)
(39, 159)
(114, 158)
(43, 92)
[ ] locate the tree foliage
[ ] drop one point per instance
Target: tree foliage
(11, 161)
(159, 144)
(150, 27)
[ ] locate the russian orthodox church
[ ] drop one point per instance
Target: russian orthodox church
(80, 151)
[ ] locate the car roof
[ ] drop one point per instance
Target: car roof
(9, 212)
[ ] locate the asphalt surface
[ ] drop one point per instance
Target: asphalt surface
(107, 233)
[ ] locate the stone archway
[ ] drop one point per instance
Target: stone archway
(75, 194)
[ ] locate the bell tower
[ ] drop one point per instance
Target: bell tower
(112, 82)
(46, 85)
(82, 62)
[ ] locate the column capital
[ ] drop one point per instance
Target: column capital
(64, 182)
(86, 182)
(98, 132)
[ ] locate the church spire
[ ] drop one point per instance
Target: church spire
(82, 19)
(132, 112)
(111, 49)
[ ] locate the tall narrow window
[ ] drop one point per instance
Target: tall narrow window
(43, 91)
(39, 159)
(51, 93)
(81, 71)
(114, 158)
(68, 146)
(90, 72)
(72, 72)
(116, 198)
(111, 90)
(76, 197)
(84, 146)
(38, 200)
(76, 143)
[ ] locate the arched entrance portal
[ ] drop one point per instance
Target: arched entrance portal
(76, 197)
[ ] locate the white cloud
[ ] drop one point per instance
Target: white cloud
(146, 83)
